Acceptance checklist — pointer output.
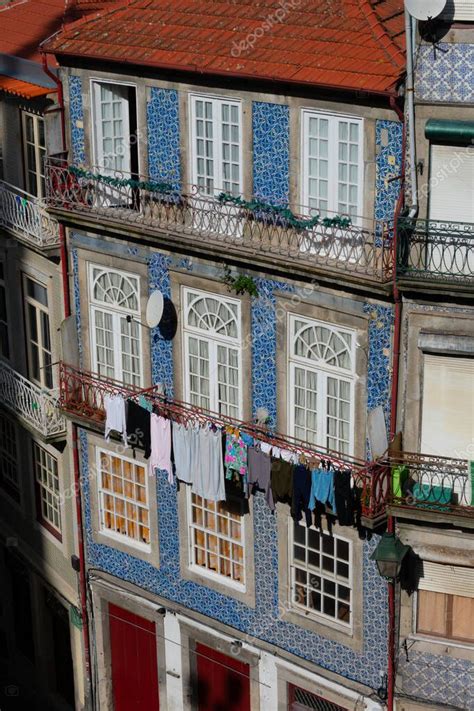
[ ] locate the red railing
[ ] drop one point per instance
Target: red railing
(82, 395)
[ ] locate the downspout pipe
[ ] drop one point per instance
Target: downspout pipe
(410, 92)
(75, 449)
(391, 652)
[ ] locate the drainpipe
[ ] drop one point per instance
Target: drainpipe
(391, 662)
(75, 450)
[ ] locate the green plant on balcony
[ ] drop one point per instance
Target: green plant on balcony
(282, 214)
(240, 284)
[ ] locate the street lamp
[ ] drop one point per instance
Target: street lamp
(389, 555)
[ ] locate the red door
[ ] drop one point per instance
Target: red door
(134, 663)
(223, 682)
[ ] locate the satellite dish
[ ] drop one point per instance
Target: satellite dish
(425, 9)
(154, 309)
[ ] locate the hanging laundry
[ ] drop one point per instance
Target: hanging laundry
(265, 447)
(115, 416)
(236, 494)
(236, 454)
(138, 427)
(146, 404)
(282, 480)
(208, 479)
(160, 436)
(322, 488)
(344, 498)
(302, 482)
(185, 444)
(259, 474)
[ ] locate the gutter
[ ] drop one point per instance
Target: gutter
(384, 93)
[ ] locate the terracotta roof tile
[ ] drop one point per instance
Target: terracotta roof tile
(350, 44)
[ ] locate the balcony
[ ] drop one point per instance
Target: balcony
(37, 408)
(25, 217)
(435, 254)
(357, 249)
(431, 488)
(82, 396)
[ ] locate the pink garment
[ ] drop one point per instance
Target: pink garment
(160, 433)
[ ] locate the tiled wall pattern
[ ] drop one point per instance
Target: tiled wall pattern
(163, 136)
(261, 622)
(76, 117)
(379, 357)
(77, 301)
(388, 141)
(271, 158)
(439, 679)
(445, 73)
(161, 342)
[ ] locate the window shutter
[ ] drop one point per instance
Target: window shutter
(448, 406)
(452, 183)
(448, 579)
(459, 11)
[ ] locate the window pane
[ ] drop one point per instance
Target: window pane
(463, 618)
(432, 612)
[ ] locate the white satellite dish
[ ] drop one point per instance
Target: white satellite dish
(154, 309)
(425, 9)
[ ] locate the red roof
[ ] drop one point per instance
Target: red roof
(26, 23)
(349, 44)
(25, 89)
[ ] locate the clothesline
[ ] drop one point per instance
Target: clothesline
(180, 411)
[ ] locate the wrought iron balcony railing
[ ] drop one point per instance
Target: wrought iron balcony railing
(35, 406)
(432, 484)
(82, 395)
(358, 247)
(25, 216)
(434, 251)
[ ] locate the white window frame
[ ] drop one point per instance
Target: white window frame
(117, 313)
(52, 491)
(218, 178)
(323, 371)
(38, 148)
(12, 458)
(333, 152)
(97, 153)
(201, 570)
(213, 340)
(324, 575)
(39, 308)
(107, 532)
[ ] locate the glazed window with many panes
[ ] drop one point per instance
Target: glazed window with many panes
(38, 333)
(34, 147)
(212, 352)
(115, 325)
(47, 490)
(216, 137)
(123, 498)
(321, 383)
(9, 458)
(332, 164)
(216, 540)
(320, 573)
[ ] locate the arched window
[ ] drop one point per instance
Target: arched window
(116, 289)
(115, 327)
(321, 383)
(212, 352)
